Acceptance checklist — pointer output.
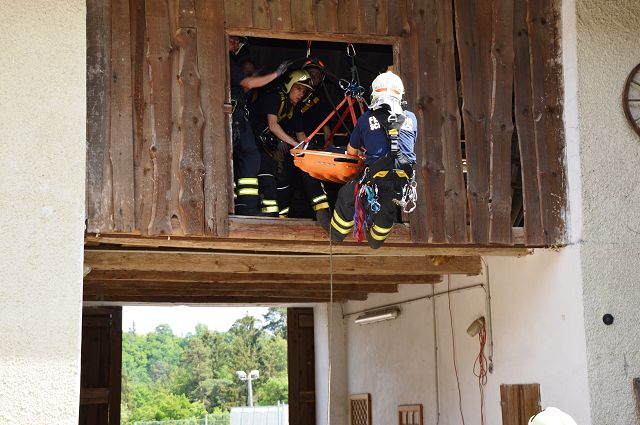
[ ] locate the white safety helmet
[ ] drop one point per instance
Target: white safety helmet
(387, 89)
(551, 416)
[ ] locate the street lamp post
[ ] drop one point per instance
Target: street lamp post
(252, 376)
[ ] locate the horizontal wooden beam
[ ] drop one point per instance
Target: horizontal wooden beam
(169, 294)
(238, 263)
(317, 36)
(252, 287)
(213, 300)
(298, 246)
(259, 279)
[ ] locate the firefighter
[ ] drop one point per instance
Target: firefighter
(277, 120)
(386, 134)
(246, 157)
(316, 106)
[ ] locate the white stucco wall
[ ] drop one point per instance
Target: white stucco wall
(538, 333)
(42, 152)
(607, 50)
(325, 319)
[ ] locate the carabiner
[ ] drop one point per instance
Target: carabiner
(351, 51)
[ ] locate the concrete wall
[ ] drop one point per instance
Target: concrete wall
(42, 152)
(607, 50)
(538, 333)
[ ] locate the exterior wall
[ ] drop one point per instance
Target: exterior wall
(538, 335)
(42, 152)
(607, 50)
(337, 361)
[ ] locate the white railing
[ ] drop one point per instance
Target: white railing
(260, 415)
(209, 419)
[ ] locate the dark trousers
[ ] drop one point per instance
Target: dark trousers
(246, 163)
(380, 223)
(276, 176)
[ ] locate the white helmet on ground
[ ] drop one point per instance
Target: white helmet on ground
(387, 89)
(551, 416)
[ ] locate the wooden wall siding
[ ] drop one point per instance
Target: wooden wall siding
(98, 189)
(519, 403)
(363, 17)
(440, 177)
(158, 160)
(543, 17)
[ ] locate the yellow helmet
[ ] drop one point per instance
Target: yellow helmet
(298, 77)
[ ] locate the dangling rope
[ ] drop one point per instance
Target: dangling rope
(330, 333)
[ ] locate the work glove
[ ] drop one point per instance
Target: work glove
(282, 68)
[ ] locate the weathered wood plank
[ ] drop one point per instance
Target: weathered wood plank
(375, 18)
(350, 16)
(138, 72)
(474, 31)
(236, 12)
(281, 17)
(160, 150)
(303, 13)
(455, 201)
(501, 123)
(399, 16)
(238, 263)
(314, 36)
(251, 279)
(216, 149)
(187, 291)
(215, 300)
(177, 103)
(527, 141)
(546, 72)
(326, 13)
(99, 199)
(191, 196)
(253, 286)
(428, 224)
(186, 14)
(261, 13)
(121, 112)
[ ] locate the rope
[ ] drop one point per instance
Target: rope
(330, 327)
(481, 363)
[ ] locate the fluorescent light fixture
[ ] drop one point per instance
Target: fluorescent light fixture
(378, 315)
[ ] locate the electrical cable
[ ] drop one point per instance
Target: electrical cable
(481, 363)
(453, 342)
(435, 352)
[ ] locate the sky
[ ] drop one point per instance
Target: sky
(182, 319)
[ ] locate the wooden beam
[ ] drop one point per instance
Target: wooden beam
(217, 300)
(170, 293)
(258, 278)
(262, 245)
(172, 285)
(301, 264)
(314, 36)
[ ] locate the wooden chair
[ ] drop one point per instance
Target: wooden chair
(360, 409)
(410, 414)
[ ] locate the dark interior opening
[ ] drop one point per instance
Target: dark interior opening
(362, 67)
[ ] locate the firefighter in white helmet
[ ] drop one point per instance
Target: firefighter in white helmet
(386, 135)
(551, 416)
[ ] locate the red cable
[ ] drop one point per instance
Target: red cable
(481, 362)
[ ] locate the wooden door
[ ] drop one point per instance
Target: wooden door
(301, 357)
(101, 362)
(519, 403)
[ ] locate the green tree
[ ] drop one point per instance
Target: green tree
(276, 321)
(274, 390)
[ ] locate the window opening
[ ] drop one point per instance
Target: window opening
(332, 67)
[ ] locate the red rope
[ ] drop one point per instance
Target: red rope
(358, 216)
(481, 363)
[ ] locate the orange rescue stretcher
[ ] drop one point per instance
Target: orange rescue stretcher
(330, 166)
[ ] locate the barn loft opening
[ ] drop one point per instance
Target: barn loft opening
(345, 66)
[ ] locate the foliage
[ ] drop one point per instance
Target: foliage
(167, 377)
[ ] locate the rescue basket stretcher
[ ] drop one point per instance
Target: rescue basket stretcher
(331, 166)
(328, 166)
